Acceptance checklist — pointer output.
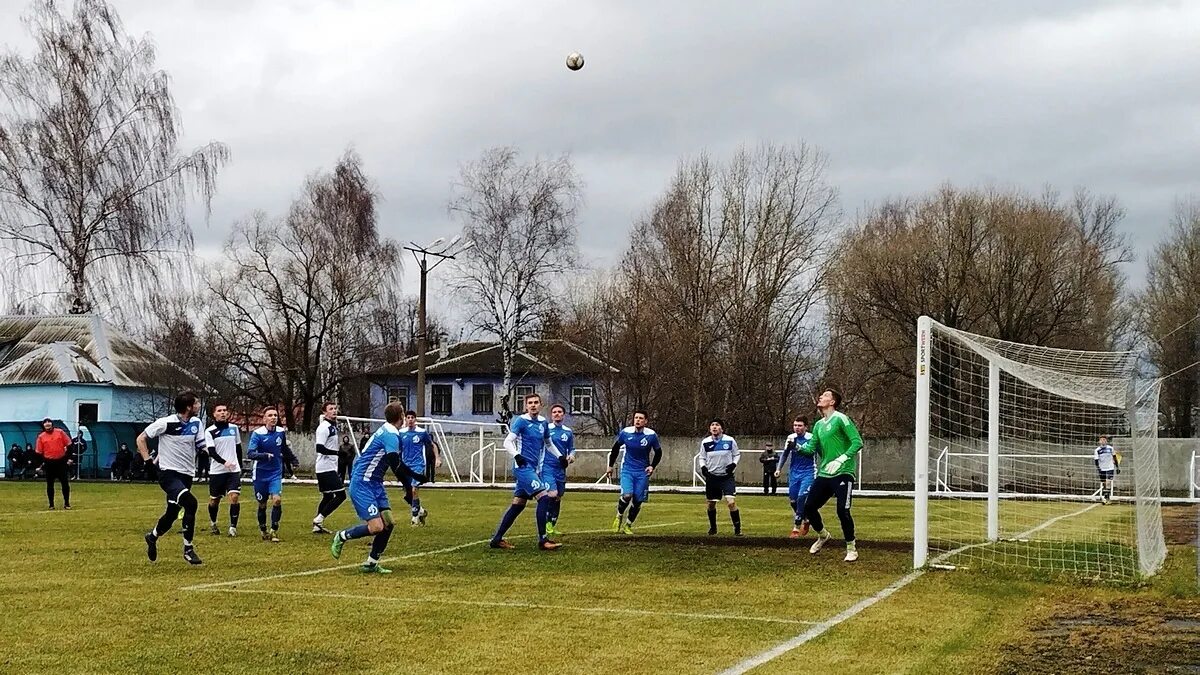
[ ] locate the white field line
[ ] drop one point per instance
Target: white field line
(823, 627)
(515, 605)
(418, 554)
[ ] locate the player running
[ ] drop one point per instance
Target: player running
(642, 455)
(414, 441)
(801, 473)
(224, 444)
(179, 436)
(555, 473)
(719, 456)
(528, 441)
(329, 482)
(1108, 464)
(269, 449)
(368, 494)
(835, 442)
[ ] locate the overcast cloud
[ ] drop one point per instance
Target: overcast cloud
(901, 95)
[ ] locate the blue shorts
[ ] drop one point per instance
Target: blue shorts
(635, 483)
(557, 480)
(413, 478)
(369, 499)
(799, 485)
(266, 487)
(529, 483)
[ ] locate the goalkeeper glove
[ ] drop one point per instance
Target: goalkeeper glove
(730, 469)
(836, 463)
(519, 460)
(563, 461)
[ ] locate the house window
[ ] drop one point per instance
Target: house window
(482, 399)
(521, 391)
(442, 395)
(581, 400)
(398, 394)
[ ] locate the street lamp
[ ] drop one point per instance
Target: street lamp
(441, 251)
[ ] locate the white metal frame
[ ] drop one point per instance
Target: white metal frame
(941, 469)
(437, 430)
(1194, 475)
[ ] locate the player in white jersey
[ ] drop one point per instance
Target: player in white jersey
(719, 455)
(179, 436)
(1108, 464)
(224, 443)
(329, 481)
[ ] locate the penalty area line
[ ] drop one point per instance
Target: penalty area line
(418, 554)
(857, 608)
(518, 605)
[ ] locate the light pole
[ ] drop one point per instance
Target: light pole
(441, 251)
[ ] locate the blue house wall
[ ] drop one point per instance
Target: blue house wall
(557, 390)
(33, 402)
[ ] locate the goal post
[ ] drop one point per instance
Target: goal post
(1005, 470)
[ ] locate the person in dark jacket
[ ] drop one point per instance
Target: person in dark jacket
(16, 462)
(770, 462)
(122, 463)
(33, 461)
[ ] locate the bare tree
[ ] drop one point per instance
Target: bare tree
(293, 298)
(93, 189)
(1169, 309)
(519, 218)
(1002, 263)
(718, 317)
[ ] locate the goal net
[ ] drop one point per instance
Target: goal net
(1005, 472)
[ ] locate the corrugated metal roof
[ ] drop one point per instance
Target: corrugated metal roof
(81, 348)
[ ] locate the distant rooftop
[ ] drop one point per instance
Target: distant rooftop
(81, 348)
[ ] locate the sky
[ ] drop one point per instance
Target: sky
(902, 96)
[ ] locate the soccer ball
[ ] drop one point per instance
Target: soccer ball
(575, 61)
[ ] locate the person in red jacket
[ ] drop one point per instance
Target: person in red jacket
(54, 446)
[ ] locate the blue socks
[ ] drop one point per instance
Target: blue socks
(543, 514)
(357, 532)
(276, 513)
(416, 507)
(507, 520)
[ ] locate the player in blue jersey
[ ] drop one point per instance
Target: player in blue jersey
(801, 473)
(553, 472)
(528, 441)
(368, 494)
(269, 449)
(414, 442)
(642, 455)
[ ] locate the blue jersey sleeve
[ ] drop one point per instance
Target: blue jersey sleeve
(391, 443)
(571, 443)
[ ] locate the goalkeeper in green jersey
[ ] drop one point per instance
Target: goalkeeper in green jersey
(836, 443)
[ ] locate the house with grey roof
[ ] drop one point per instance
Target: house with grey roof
(85, 373)
(463, 381)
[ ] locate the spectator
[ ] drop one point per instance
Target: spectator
(33, 461)
(122, 463)
(345, 457)
(770, 462)
(55, 447)
(16, 462)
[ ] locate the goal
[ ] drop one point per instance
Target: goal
(1004, 471)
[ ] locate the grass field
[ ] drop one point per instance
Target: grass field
(79, 596)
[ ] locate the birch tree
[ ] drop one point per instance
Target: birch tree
(519, 218)
(93, 187)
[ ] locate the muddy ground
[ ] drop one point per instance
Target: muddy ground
(1132, 635)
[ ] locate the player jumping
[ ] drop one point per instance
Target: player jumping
(224, 443)
(368, 494)
(801, 473)
(269, 449)
(642, 455)
(835, 442)
(1108, 463)
(564, 439)
(719, 456)
(329, 482)
(179, 437)
(528, 440)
